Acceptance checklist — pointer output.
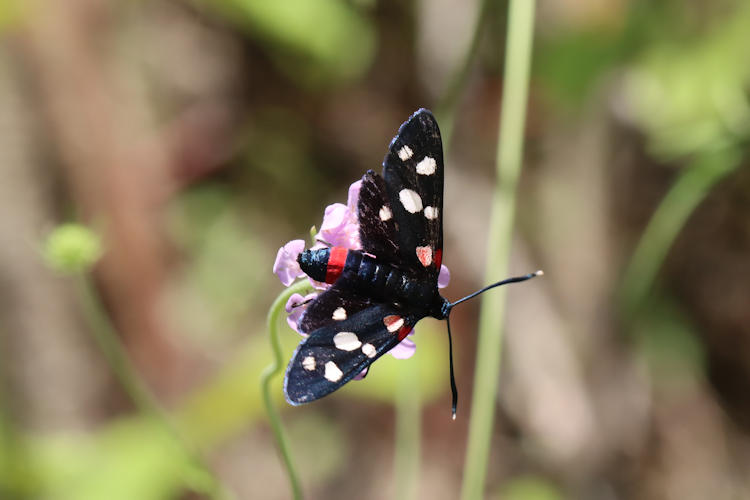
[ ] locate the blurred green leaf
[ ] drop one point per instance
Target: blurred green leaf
(17, 476)
(312, 42)
(230, 401)
(223, 280)
(131, 458)
(11, 13)
(569, 66)
(669, 342)
(691, 95)
(530, 488)
(319, 444)
(688, 191)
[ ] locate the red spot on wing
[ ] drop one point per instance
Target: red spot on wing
(336, 261)
(438, 258)
(424, 254)
(390, 320)
(404, 331)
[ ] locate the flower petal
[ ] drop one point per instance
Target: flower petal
(404, 350)
(336, 216)
(295, 306)
(340, 227)
(286, 266)
(319, 285)
(353, 198)
(444, 277)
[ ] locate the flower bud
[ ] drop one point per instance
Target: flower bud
(72, 249)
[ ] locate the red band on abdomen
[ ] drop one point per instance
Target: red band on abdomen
(336, 261)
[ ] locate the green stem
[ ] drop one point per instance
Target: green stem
(690, 188)
(509, 160)
(109, 343)
(273, 370)
(408, 432)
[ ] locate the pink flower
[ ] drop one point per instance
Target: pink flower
(295, 306)
(444, 277)
(286, 266)
(405, 349)
(340, 227)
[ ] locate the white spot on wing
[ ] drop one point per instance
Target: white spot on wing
(405, 153)
(385, 213)
(431, 212)
(427, 166)
(369, 350)
(393, 323)
(346, 341)
(308, 363)
(339, 314)
(332, 372)
(410, 200)
(424, 254)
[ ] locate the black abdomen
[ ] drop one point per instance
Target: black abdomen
(371, 278)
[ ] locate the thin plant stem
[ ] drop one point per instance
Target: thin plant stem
(408, 432)
(509, 160)
(126, 374)
(690, 188)
(272, 371)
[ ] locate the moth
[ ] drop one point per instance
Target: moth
(379, 293)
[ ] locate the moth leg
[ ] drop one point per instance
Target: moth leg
(304, 302)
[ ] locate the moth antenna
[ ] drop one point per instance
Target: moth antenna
(454, 390)
(321, 240)
(515, 279)
(446, 312)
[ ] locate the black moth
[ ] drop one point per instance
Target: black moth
(380, 292)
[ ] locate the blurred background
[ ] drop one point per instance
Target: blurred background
(196, 137)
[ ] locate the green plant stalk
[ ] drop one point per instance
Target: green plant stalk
(109, 343)
(273, 370)
(408, 432)
(690, 188)
(509, 160)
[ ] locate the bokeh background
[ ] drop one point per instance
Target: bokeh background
(196, 137)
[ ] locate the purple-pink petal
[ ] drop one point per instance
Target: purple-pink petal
(405, 349)
(295, 306)
(335, 217)
(340, 227)
(333, 229)
(444, 277)
(353, 198)
(286, 266)
(319, 285)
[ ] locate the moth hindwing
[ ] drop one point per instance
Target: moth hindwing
(334, 354)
